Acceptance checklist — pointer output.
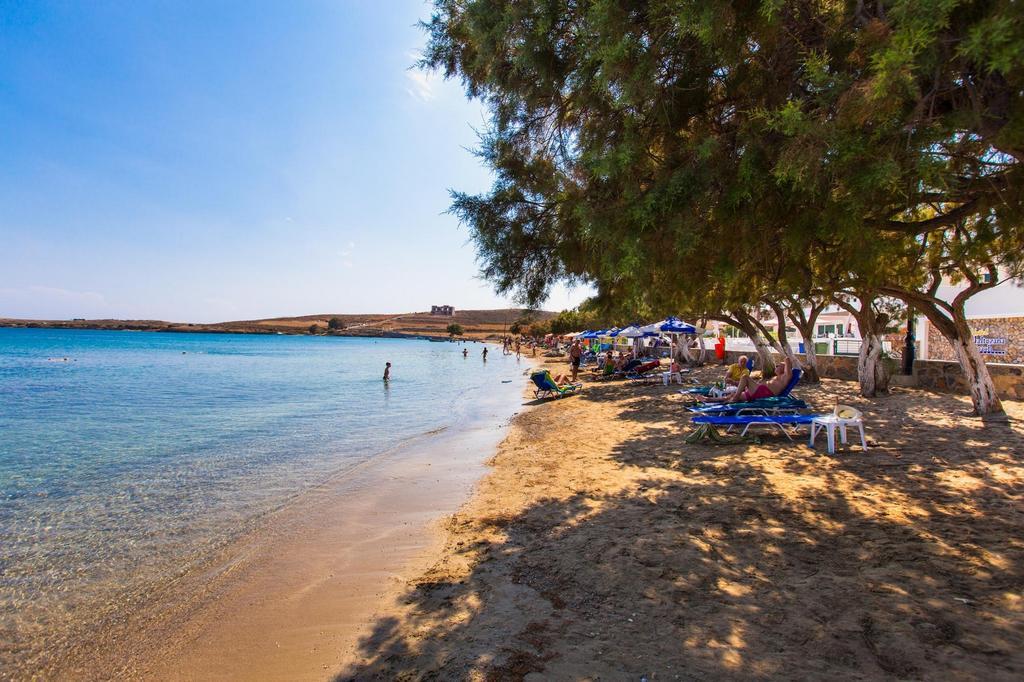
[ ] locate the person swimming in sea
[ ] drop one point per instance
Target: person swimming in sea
(387, 371)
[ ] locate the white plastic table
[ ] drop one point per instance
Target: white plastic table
(667, 377)
(829, 423)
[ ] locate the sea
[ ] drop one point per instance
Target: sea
(127, 457)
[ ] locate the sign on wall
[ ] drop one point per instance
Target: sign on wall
(991, 345)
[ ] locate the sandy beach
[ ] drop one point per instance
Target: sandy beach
(601, 546)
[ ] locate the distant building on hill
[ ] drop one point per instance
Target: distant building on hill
(445, 310)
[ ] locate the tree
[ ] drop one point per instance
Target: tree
(314, 329)
(961, 257)
(515, 328)
(538, 330)
(454, 329)
(335, 324)
(667, 151)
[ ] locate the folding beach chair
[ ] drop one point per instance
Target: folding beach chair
(547, 388)
(640, 374)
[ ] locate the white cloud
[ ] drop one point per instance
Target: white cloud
(421, 84)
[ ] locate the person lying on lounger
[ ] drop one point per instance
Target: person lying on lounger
(746, 390)
(561, 380)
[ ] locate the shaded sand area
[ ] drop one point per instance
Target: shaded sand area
(603, 547)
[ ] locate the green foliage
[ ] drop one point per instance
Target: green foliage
(538, 330)
(454, 329)
(314, 329)
(697, 157)
(335, 324)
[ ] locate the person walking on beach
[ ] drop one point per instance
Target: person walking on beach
(575, 355)
(485, 353)
(387, 371)
(517, 349)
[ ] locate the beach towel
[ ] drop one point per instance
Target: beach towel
(709, 434)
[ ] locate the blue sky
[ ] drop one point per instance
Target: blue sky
(230, 160)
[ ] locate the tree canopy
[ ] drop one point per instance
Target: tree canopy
(696, 156)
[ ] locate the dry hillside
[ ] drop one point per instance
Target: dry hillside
(475, 323)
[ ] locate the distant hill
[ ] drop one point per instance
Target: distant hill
(475, 323)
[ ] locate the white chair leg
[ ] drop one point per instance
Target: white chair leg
(842, 433)
(811, 443)
(863, 440)
(831, 434)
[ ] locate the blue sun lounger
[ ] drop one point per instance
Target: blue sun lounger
(747, 420)
(547, 388)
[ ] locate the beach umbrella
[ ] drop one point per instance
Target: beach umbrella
(671, 325)
(631, 332)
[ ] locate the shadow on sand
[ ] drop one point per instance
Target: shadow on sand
(740, 561)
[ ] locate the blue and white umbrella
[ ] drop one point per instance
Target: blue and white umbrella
(631, 332)
(671, 325)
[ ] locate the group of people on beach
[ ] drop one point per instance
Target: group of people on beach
(739, 384)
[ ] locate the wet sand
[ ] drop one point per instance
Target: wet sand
(289, 600)
(602, 546)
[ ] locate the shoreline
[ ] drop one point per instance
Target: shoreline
(322, 561)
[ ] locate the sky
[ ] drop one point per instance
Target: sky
(231, 160)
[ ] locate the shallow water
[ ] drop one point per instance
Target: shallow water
(123, 466)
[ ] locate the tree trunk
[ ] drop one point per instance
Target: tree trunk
(703, 357)
(804, 322)
(872, 373)
(782, 342)
(764, 353)
(979, 381)
(684, 352)
(810, 366)
(747, 324)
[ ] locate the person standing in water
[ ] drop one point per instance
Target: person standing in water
(465, 352)
(387, 371)
(485, 353)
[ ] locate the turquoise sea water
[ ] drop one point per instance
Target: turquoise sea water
(123, 465)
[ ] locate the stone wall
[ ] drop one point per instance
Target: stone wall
(934, 375)
(992, 328)
(942, 375)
